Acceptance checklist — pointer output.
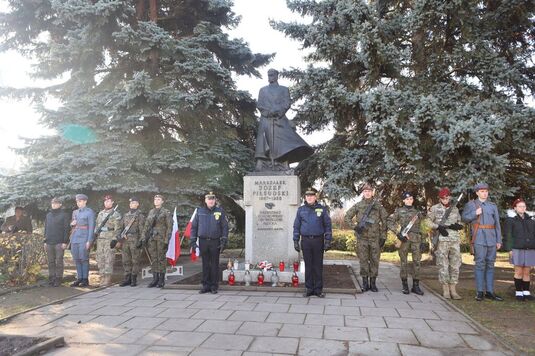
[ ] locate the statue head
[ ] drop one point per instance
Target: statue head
(273, 75)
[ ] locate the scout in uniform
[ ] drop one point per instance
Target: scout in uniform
(129, 235)
(448, 252)
(370, 238)
(83, 225)
(397, 222)
(484, 219)
(156, 234)
(105, 254)
(312, 225)
(209, 229)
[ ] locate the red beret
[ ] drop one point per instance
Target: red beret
(444, 192)
(519, 200)
(108, 197)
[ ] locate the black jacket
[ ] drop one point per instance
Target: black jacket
(209, 224)
(57, 227)
(519, 233)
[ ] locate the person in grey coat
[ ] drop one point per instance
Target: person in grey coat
(484, 219)
(56, 240)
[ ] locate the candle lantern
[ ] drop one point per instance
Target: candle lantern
(281, 266)
(295, 280)
(260, 278)
(231, 278)
(247, 278)
(236, 264)
(274, 279)
(296, 266)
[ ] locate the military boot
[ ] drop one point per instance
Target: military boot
(373, 286)
(405, 288)
(365, 285)
(453, 292)
(416, 287)
(446, 291)
(127, 280)
(154, 280)
(133, 281)
(161, 280)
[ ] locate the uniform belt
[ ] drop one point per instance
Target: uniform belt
(83, 227)
(312, 236)
(208, 238)
(485, 226)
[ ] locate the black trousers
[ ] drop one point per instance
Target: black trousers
(313, 256)
(210, 263)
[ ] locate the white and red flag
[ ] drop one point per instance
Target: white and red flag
(173, 251)
(187, 233)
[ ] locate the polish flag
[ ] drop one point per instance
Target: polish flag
(173, 251)
(187, 233)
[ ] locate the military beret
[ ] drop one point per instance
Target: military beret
(55, 201)
(406, 195)
(518, 201)
(444, 192)
(210, 195)
(134, 199)
(480, 186)
(311, 191)
(367, 186)
(81, 197)
(159, 196)
(108, 197)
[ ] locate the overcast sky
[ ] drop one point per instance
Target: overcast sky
(19, 120)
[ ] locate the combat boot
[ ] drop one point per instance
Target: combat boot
(133, 281)
(154, 280)
(405, 288)
(446, 291)
(373, 286)
(365, 285)
(76, 283)
(161, 280)
(416, 287)
(453, 292)
(127, 280)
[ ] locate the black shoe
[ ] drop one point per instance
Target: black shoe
(76, 283)
(373, 287)
(127, 280)
(161, 280)
(213, 290)
(479, 296)
(529, 297)
(204, 290)
(519, 298)
(308, 293)
(416, 287)
(319, 294)
(154, 282)
(365, 285)
(133, 280)
(493, 296)
(405, 286)
(84, 283)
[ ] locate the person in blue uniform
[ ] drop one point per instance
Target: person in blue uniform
(313, 226)
(209, 229)
(486, 232)
(83, 224)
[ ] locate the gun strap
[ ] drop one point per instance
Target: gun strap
(127, 228)
(476, 226)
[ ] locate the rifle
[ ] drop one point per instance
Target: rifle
(149, 232)
(101, 226)
(361, 225)
(405, 231)
(436, 234)
(122, 236)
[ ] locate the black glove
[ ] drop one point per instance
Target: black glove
(442, 230)
(222, 244)
(359, 230)
(424, 246)
(193, 245)
(382, 243)
(296, 246)
(113, 243)
(401, 237)
(140, 243)
(326, 245)
(455, 227)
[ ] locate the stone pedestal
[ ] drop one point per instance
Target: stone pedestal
(271, 203)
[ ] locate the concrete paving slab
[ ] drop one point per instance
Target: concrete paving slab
(284, 345)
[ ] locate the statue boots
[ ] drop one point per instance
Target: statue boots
(373, 287)
(127, 280)
(453, 292)
(446, 291)
(416, 287)
(161, 280)
(154, 280)
(133, 281)
(365, 285)
(405, 286)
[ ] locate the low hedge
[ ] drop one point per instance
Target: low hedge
(21, 256)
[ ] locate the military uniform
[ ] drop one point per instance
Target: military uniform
(129, 240)
(396, 223)
(105, 254)
(81, 235)
(158, 241)
(209, 229)
(369, 240)
(313, 225)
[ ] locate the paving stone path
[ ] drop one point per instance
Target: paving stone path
(142, 321)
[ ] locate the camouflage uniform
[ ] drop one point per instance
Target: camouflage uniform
(130, 252)
(401, 218)
(105, 254)
(159, 239)
(368, 247)
(448, 253)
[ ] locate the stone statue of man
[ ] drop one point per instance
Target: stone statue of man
(277, 143)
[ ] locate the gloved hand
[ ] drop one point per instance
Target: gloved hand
(296, 246)
(424, 246)
(140, 243)
(401, 237)
(222, 244)
(359, 230)
(193, 244)
(442, 230)
(326, 245)
(382, 243)
(113, 243)
(456, 227)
